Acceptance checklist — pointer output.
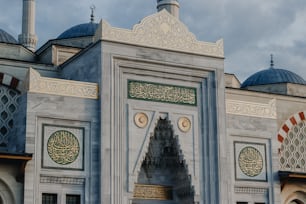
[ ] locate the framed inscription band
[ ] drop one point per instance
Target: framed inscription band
(62, 147)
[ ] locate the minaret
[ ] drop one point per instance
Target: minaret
(172, 6)
(28, 37)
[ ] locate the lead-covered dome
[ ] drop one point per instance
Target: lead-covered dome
(6, 38)
(272, 76)
(81, 30)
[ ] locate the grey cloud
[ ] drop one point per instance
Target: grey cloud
(251, 29)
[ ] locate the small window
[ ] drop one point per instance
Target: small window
(48, 198)
(242, 203)
(73, 199)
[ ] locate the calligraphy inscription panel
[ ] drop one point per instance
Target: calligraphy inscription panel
(162, 93)
(152, 192)
(250, 160)
(62, 147)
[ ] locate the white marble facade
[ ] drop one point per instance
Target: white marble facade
(143, 116)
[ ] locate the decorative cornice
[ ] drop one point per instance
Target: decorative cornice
(262, 110)
(37, 84)
(160, 30)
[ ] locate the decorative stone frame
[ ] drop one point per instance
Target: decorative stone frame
(119, 130)
(258, 148)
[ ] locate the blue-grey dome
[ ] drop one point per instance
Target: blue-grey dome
(6, 38)
(273, 76)
(81, 30)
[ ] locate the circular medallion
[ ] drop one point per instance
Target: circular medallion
(250, 161)
(63, 147)
(141, 120)
(184, 124)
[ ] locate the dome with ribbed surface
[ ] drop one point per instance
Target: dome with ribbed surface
(81, 30)
(272, 76)
(6, 38)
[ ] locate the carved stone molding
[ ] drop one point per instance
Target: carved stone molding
(160, 30)
(245, 108)
(61, 180)
(37, 84)
(251, 190)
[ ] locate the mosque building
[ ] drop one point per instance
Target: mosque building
(147, 115)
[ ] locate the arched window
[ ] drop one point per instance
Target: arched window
(8, 107)
(293, 149)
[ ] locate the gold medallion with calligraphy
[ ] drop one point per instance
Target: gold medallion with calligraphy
(63, 147)
(250, 161)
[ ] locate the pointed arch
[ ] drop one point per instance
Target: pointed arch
(164, 166)
(10, 81)
(9, 105)
(298, 196)
(292, 140)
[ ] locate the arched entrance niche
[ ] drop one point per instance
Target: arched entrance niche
(163, 177)
(296, 202)
(6, 195)
(298, 197)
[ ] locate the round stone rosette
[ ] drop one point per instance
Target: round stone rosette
(141, 120)
(63, 147)
(250, 161)
(184, 124)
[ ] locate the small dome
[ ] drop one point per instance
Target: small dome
(7, 38)
(272, 76)
(81, 30)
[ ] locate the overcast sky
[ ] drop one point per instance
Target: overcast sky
(251, 29)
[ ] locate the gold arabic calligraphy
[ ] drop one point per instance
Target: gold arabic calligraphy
(162, 93)
(153, 192)
(63, 147)
(250, 161)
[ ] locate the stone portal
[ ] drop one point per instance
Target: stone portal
(164, 176)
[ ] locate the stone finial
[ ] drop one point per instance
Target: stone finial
(92, 16)
(271, 61)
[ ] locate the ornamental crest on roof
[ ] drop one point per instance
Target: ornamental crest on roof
(162, 31)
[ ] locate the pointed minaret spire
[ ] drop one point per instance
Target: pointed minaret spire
(172, 6)
(28, 37)
(92, 16)
(271, 62)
